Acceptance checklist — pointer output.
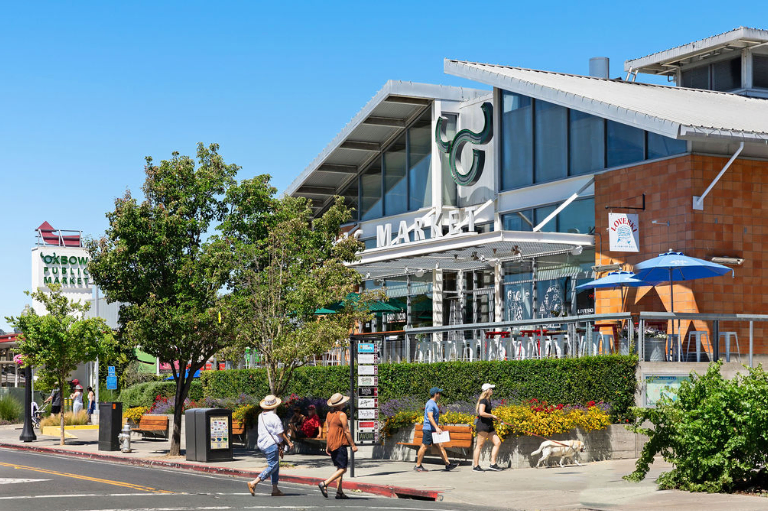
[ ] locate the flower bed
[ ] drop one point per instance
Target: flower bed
(532, 418)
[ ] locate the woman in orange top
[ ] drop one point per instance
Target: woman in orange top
(339, 438)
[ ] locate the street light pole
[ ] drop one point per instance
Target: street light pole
(28, 433)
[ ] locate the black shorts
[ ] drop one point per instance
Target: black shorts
(55, 409)
(485, 427)
(426, 437)
(340, 457)
(300, 434)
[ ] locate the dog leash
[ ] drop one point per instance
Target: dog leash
(545, 438)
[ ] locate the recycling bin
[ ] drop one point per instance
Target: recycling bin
(110, 423)
(208, 434)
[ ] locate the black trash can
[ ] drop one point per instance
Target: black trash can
(110, 424)
(208, 434)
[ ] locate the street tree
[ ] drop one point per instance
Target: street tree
(58, 341)
(288, 267)
(155, 261)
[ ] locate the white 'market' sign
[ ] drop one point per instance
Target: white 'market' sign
(623, 232)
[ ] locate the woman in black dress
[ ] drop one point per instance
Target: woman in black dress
(485, 429)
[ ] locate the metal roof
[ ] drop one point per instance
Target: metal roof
(466, 252)
(380, 121)
(674, 112)
(667, 61)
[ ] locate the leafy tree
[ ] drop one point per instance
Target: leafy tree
(155, 261)
(713, 432)
(287, 267)
(57, 342)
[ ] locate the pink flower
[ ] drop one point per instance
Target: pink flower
(18, 359)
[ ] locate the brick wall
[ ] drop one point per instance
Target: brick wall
(732, 223)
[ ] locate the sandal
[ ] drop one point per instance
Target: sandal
(252, 488)
(341, 496)
(323, 489)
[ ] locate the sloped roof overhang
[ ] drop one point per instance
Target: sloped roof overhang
(369, 132)
(668, 61)
(673, 112)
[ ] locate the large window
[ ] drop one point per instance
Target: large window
(370, 192)
(625, 144)
(400, 179)
(586, 143)
(543, 142)
(419, 159)
(551, 151)
(724, 75)
(517, 142)
(396, 185)
(578, 217)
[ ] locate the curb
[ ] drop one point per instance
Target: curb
(375, 489)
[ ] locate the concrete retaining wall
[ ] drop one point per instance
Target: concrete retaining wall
(615, 442)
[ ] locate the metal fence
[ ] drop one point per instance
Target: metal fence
(654, 336)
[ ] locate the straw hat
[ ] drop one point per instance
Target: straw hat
(337, 400)
(270, 402)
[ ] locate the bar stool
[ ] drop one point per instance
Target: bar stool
(532, 346)
(728, 336)
(672, 347)
(698, 335)
(558, 343)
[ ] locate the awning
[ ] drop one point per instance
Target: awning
(466, 252)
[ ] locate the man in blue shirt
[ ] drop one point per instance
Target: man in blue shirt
(431, 421)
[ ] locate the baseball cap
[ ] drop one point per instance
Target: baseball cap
(487, 386)
(75, 382)
(311, 407)
(434, 390)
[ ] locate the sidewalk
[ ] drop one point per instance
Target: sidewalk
(596, 485)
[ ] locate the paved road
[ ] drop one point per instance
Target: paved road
(31, 482)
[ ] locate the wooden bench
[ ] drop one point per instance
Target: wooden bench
(152, 426)
(461, 439)
(321, 440)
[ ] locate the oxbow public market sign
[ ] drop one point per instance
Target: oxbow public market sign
(457, 221)
(67, 270)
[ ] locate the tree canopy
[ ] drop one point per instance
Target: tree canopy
(154, 260)
(58, 341)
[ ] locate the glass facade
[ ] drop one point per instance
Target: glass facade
(399, 180)
(578, 217)
(542, 142)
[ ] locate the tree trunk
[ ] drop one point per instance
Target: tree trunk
(182, 391)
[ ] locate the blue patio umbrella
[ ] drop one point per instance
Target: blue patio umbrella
(675, 267)
(186, 375)
(615, 279)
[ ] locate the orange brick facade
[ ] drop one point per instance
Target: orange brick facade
(733, 223)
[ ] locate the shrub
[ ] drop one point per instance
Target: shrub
(70, 419)
(144, 394)
(712, 431)
(608, 379)
(10, 409)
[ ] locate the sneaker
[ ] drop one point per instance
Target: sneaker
(419, 468)
(477, 469)
(451, 466)
(495, 468)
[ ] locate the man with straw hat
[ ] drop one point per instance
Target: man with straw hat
(270, 431)
(339, 438)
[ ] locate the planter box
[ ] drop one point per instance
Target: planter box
(615, 442)
(238, 427)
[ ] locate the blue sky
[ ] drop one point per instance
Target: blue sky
(90, 88)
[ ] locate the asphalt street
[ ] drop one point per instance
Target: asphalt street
(31, 482)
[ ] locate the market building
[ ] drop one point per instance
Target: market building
(480, 206)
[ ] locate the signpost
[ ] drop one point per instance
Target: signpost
(111, 378)
(364, 391)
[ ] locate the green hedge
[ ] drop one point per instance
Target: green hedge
(143, 394)
(576, 381)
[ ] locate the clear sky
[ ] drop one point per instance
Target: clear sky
(87, 89)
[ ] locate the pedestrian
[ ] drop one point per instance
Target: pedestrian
(295, 422)
(339, 438)
(485, 429)
(55, 400)
(77, 398)
(431, 421)
(270, 430)
(309, 427)
(91, 403)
